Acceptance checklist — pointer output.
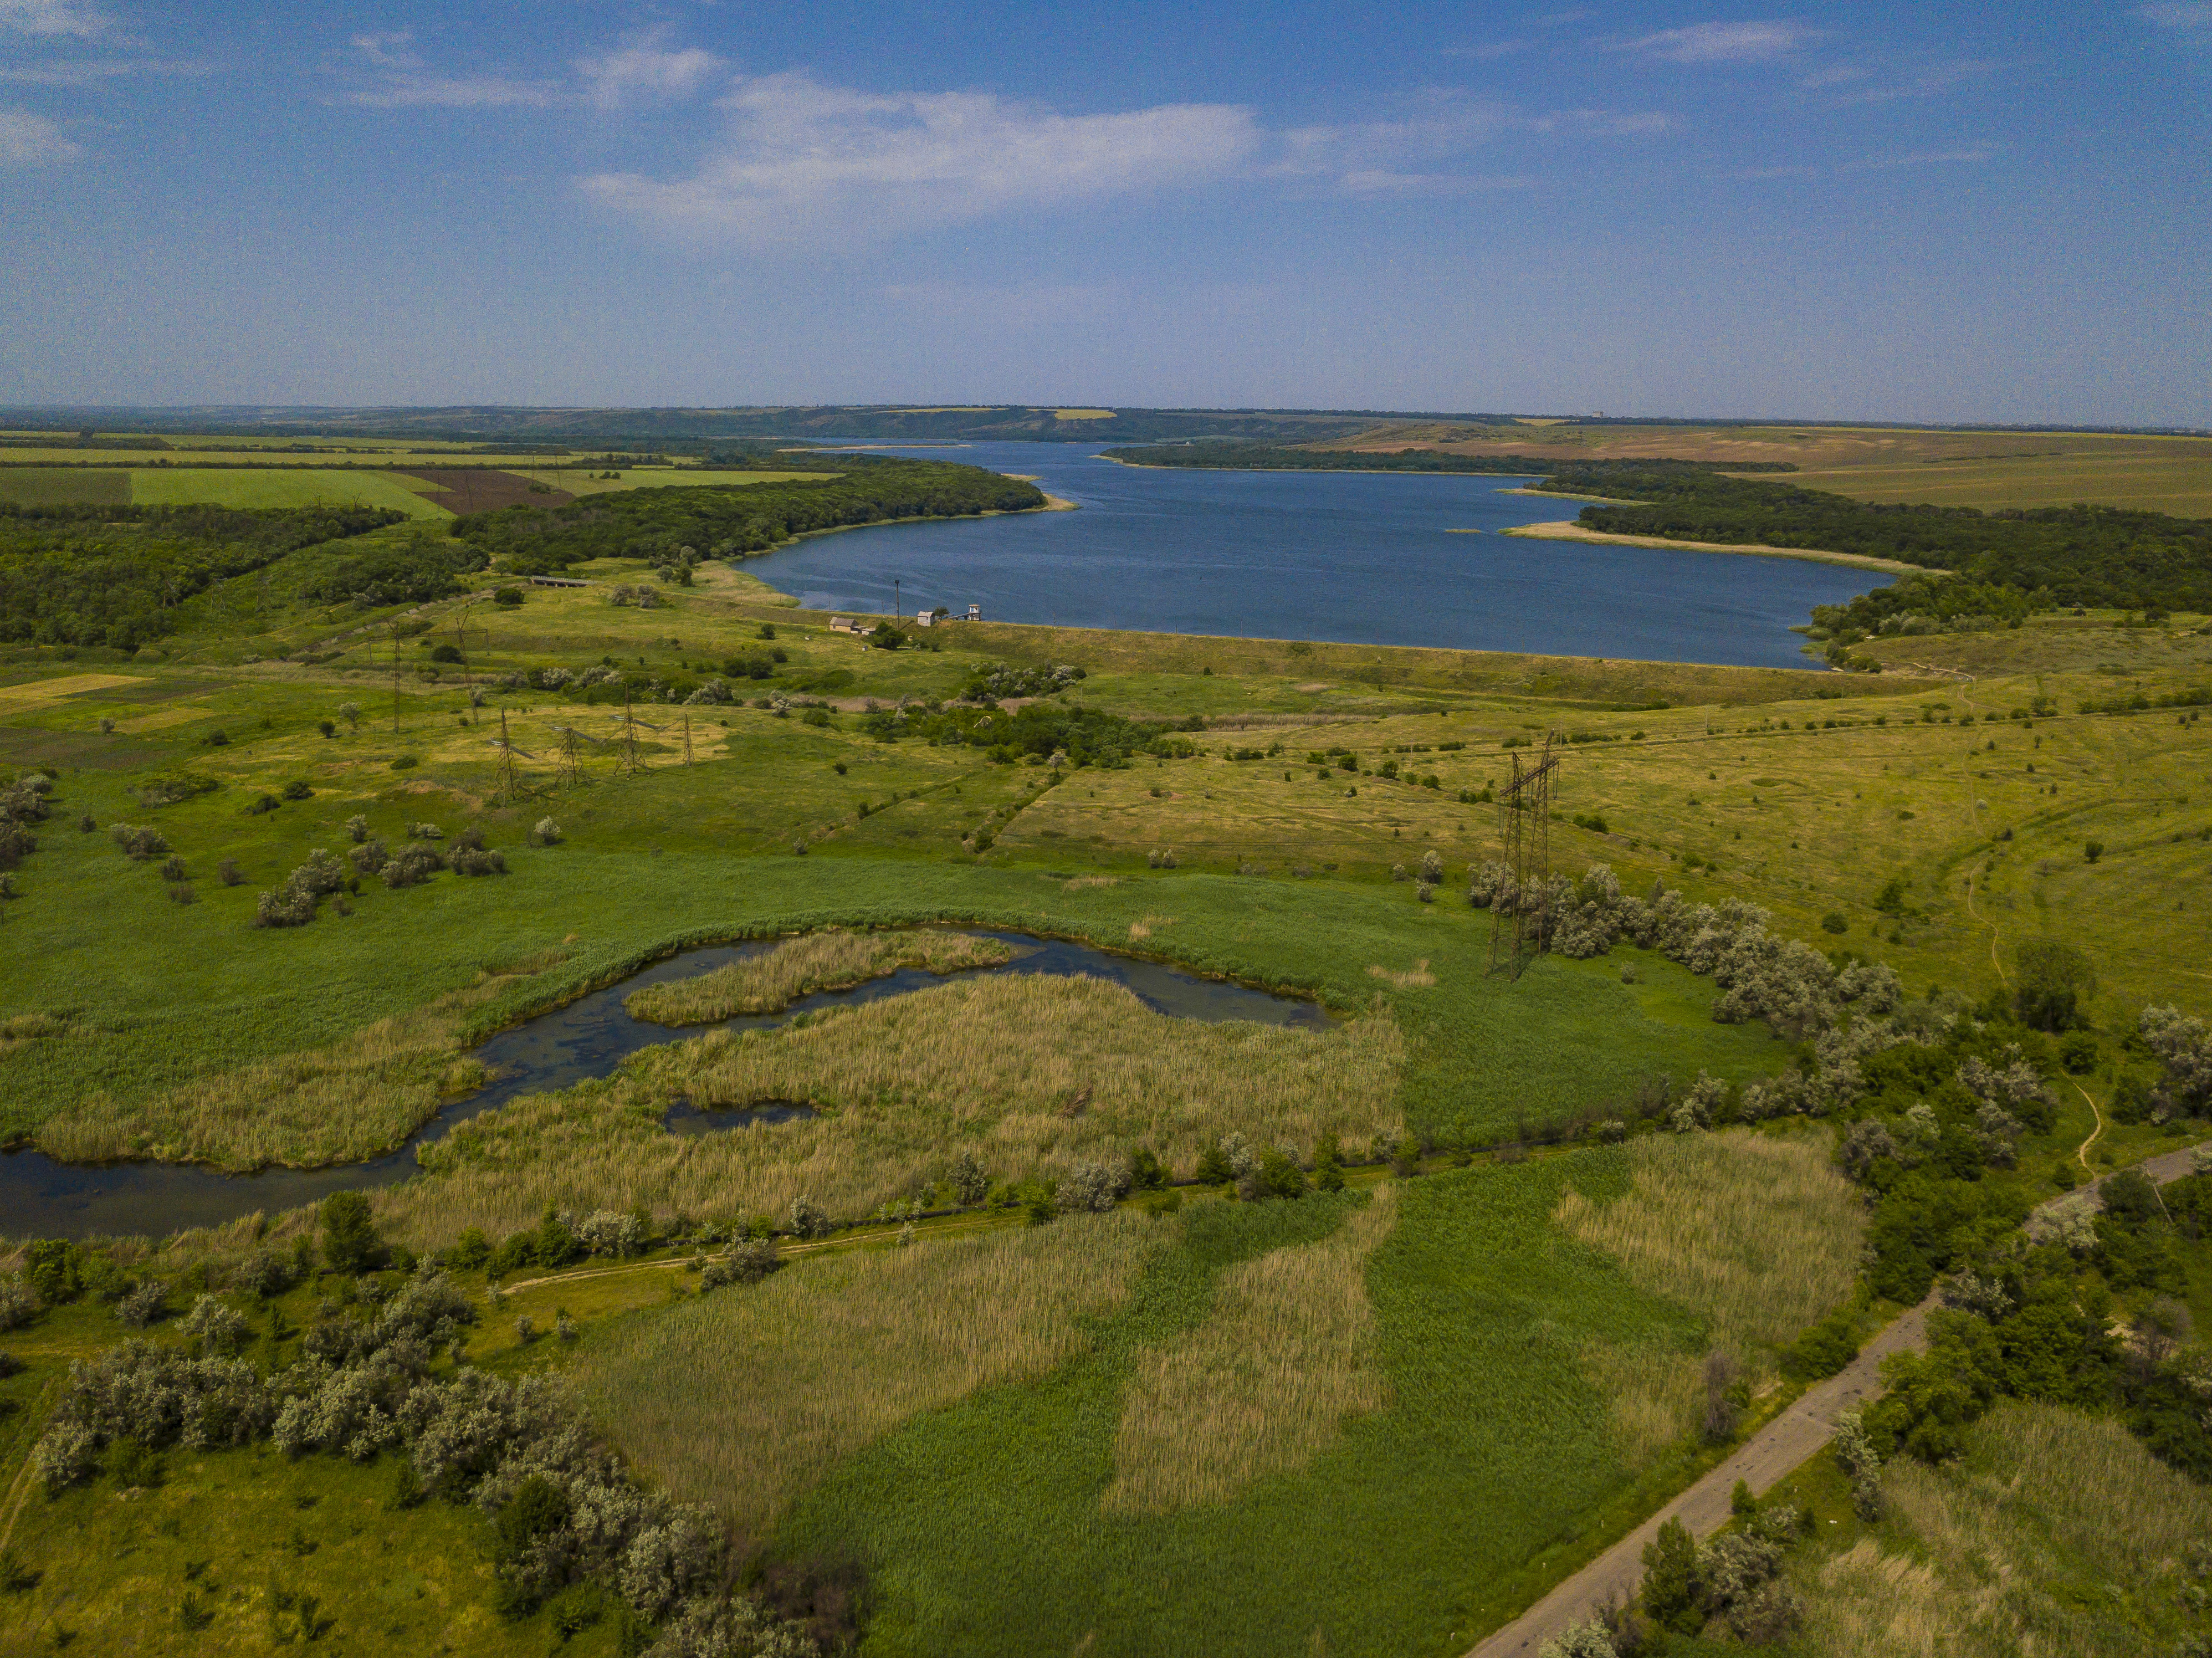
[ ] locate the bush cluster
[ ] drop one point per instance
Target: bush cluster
(293, 903)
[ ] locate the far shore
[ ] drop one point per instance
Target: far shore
(1563, 494)
(1568, 530)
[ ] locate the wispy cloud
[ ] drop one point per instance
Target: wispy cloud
(2192, 16)
(1602, 123)
(1489, 51)
(1723, 43)
(799, 156)
(53, 18)
(645, 69)
(98, 71)
(28, 140)
(1378, 182)
(402, 80)
(1884, 83)
(1966, 156)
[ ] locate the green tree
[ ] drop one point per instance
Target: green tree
(1670, 1579)
(2055, 980)
(349, 1240)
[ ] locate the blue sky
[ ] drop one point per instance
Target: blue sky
(1969, 211)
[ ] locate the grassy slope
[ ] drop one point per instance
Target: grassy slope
(1951, 468)
(1402, 1536)
(233, 1527)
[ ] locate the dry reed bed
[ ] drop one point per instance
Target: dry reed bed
(1034, 1074)
(1758, 1235)
(2001, 1543)
(353, 1099)
(772, 981)
(1265, 1384)
(743, 1399)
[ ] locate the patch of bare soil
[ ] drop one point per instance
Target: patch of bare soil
(482, 489)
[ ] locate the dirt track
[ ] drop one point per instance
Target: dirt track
(1761, 1463)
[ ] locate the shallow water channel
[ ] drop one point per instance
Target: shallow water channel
(589, 1037)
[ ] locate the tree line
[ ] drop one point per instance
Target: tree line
(419, 568)
(113, 575)
(1265, 458)
(2041, 557)
(729, 521)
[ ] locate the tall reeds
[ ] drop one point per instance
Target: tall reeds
(798, 967)
(1032, 1074)
(1265, 1383)
(2058, 1533)
(1757, 1237)
(359, 1095)
(743, 1399)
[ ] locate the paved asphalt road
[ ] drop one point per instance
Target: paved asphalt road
(1761, 1463)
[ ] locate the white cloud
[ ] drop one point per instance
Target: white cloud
(1723, 43)
(52, 17)
(1969, 154)
(1375, 181)
(1887, 83)
(2190, 14)
(801, 158)
(93, 71)
(405, 82)
(1602, 123)
(1489, 51)
(28, 140)
(644, 70)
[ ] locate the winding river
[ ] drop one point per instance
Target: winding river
(588, 1037)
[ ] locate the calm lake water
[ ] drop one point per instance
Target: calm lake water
(1359, 557)
(589, 1037)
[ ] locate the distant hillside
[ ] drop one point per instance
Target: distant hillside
(866, 423)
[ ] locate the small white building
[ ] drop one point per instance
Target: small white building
(925, 618)
(840, 624)
(974, 612)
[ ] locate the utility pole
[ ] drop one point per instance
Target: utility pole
(571, 751)
(461, 634)
(506, 762)
(629, 734)
(395, 678)
(687, 739)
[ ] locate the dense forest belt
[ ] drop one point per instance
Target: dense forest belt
(1262, 458)
(2045, 557)
(113, 575)
(733, 521)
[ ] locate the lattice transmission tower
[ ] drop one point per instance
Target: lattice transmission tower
(1524, 832)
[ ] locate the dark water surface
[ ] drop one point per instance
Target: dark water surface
(1359, 557)
(589, 1037)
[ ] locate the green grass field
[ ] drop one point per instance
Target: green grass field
(292, 487)
(1499, 1383)
(63, 486)
(1415, 1531)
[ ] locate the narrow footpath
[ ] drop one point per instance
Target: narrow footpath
(1761, 1462)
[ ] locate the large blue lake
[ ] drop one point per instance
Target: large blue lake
(1359, 557)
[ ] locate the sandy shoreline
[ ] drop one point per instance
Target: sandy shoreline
(1568, 530)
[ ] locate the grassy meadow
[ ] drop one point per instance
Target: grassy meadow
(2056, 1533)
(1382, 1421)
(1296, 1508)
